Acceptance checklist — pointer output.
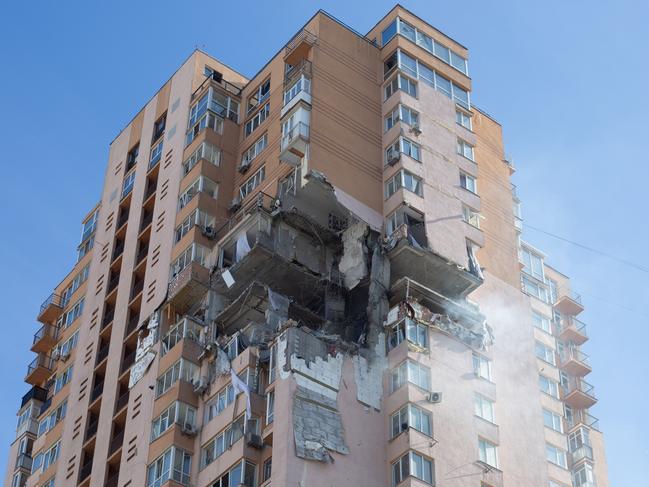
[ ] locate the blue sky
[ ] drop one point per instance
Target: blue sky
(567, 80)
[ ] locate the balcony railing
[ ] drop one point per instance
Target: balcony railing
(141, 254)
(146, 220)
(118, 250)
(91, 430)
(116, 443)
(581, 417)
(137, 288)
(112, 284)
(45, 337)
(185, 328)
(568, 302)
(85, 471)
(40, 368)
(572, 329)
(132, 323)
(103, 353)
(50, 308)
(574, 354)
(579, 394)
(129, 359)
(35, 393)
(109, 315)
(293, 72)
(123, 218)
(97, 391)
(301, 130)
(122, 401)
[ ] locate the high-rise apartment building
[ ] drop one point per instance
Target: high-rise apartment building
(311, 278)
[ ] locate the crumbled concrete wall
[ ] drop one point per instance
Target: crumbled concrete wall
(317, 426)
(145, 353)
(353, 264)
(368, 375)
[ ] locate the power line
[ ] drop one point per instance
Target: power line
(591, 249)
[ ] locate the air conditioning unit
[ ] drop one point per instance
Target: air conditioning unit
(64, 356)
(189, 429)
(235, 204)
(244, 166)
(209, 232)
(55, 355)
(254, 440)
(435, 397)
(393, 157)
(415, 129)
(200, 385)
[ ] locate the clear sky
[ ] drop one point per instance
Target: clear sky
(566, 78)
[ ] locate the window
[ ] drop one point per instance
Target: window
(401, 82)
(159, 128)
(410, 416)
(579, 439)
(545, 353)
(196, 217)
(549, 386)
(221, 401)
(205, 151)
(470, 216)
(302, 84)
(267, 469)
(131, 157)
(410, 330)
(412, 465)
(254, 150)
(52, 419)
(272, 364)
(49, 483)
(79, 279)
(43, 460)
(179, 413)
(181, 370)
(222, 442)
(426, 42)
(542, 322)
(63, 379)
(389, 32)
(556, 455)
(534, 288)
(464, 119)
(552, 420)
(127, 185)
(552, 284)
(156, 154)
(243, 473)
(208, 112)
(465, 149)
(418, 70)
(20, 480)
(412, 372)
(201, 184)
(405, 146)
(255, 180)
(583, 476)
(194, 253)
(403, 179)
(532, 263)
(482, 367)
(89, 226)
(173, 464)
(260, 95)
(401, 113)
(484, 408)
(270, 407)
(488, 452)
(73, 313)
(257, 120)
(468, 182)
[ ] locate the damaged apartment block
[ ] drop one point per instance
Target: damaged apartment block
(302, 289)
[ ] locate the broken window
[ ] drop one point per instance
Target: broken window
(181, 370)
(243, 473)
(410, 330)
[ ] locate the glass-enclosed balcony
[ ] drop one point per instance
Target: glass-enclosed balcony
(294, 143)
(185, 328)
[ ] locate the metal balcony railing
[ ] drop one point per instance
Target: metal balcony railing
(129, 359)
(122, 401)
(123, 218)
(185, 328)
(112, 284)
(301, 130)
(97, 391)
(116, 443)
(261, 202)
(41, 360)
(45, 331)
(573, 354)
(293, 72)
(102, 354)
(108, 318)
(579, 385)
(52, 300)
(91, 430)
(85, 471)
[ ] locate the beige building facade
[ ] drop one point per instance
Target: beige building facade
(312, 277)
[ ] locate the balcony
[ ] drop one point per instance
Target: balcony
(188, 285)
(108, 318)
(292, 73)
(584, 452)
(45, 338)
(568, 302)
(571, 329)
(582, 418)
(102, 354)
(116, 443)
(579, 394)
(97, 391)
(39, 370)
(122, 402)
(85, 471)
(24, 461)
(411, 258)
(112, 284)
(123, 218)
(50, 309)
(35, 393)
(575, 362)
(91, 430)
(185, 328)
(299, 46)
(129, 359)
(294, 144)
